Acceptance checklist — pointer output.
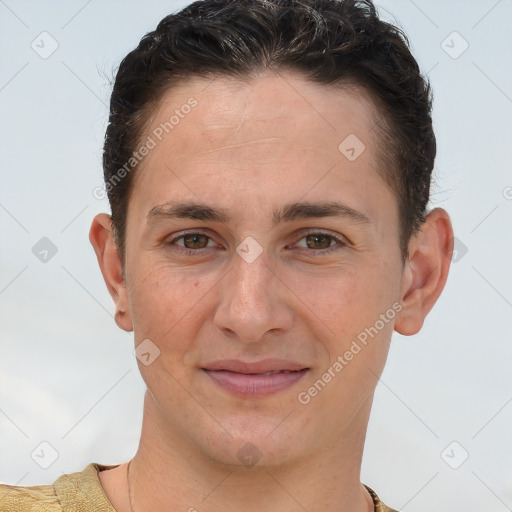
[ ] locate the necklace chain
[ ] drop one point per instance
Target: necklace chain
(129, 487)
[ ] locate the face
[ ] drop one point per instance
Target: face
(260, 239)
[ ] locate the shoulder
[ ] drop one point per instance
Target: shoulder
(15, 498)
(74, 492)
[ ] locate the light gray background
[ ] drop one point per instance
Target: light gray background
(68, 376)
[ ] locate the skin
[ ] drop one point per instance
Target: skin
(252, 148)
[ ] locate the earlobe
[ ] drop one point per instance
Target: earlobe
(109, 260)
(426, 271)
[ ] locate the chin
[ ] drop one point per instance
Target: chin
(254, 443)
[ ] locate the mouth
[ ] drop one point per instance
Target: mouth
(251, 380)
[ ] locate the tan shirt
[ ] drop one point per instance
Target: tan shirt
(79, 492)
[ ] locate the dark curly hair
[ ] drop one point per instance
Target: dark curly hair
(340, 42)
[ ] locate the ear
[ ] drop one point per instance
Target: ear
(425, 271)
(100, 236)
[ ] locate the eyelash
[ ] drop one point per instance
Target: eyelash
(183, 250)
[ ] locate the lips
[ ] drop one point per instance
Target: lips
(264, 366)
(255, 379)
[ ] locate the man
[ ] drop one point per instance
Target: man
(268, 167)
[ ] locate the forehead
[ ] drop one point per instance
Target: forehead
(272, 136)
(272, 104)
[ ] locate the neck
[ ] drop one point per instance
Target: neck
(169, 474)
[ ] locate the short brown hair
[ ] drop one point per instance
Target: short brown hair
(341, 42)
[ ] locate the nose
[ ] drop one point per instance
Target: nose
(253, 301)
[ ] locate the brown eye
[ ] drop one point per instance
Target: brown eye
(318, 241)
(195, 241)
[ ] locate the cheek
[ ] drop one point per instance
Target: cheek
(347, 312)
(168, 307)
(346, 305)
(344, 297)
(167, 302)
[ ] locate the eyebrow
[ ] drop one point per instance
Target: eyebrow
(290, 212)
